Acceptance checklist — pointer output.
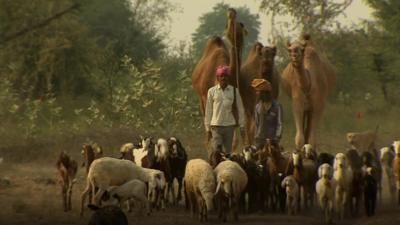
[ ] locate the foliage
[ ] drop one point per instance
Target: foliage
(312, 15)
(214, 23)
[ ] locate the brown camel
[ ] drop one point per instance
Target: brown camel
(215, 54)
(308, 79)
(259, 64)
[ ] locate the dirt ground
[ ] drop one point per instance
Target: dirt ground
(30, 194)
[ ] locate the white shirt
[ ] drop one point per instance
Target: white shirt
(219, 107)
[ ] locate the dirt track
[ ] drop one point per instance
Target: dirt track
(32, 197)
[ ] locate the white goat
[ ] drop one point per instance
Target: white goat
(396, 168)
(343, 177)
(387, 156)
(325, 188)
(292, 194)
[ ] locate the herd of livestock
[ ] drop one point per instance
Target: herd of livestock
(248, 181)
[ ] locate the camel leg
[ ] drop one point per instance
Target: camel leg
(298, 114)
(250, 129)
(313, 121)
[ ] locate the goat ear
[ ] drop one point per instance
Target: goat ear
(319, 171)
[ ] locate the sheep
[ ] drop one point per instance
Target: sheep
(386, 157)
(370, 185)
(396, 168)
(343, 176)
(292, 194)
(231, 182)
(67, 168)
(133, 189)
(106, 172)
(325, 188)
(199, 187)
(107, 215)
(178, 158)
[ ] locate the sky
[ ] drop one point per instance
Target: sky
(185, 22)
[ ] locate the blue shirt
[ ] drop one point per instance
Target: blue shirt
(269, 123)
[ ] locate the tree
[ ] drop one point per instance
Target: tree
(384, 47)
(214, 23)
(310, 15)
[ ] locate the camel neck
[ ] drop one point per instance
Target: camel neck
(266, 70)
(303, 78)
(234, 65)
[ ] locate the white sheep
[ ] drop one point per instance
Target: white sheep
(343, 177)
(292, 194)
(231, 182)
(325, 188)
(386, 157)
(396, 168)
(133, 189)
(199, 187)
(106, 172)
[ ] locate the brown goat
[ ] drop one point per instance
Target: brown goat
(67, 169)
(89, 153)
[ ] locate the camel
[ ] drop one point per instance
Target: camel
(259, 64)
(215, 54)
(308, 79)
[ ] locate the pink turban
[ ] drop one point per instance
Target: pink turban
(222, 71)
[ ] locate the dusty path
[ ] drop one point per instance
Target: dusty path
(33, 197)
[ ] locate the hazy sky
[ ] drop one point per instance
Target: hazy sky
(185, 22)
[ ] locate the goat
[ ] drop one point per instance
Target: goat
(396, 168)
(67, 169)
(343, 177)
(89, 153)
(325, 188)
(178, 158)
(355, 191)
(370, 185)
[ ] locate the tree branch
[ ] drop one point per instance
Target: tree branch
(7, 38)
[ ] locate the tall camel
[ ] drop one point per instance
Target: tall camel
(215, 54)
(308, 79)
(259, 64)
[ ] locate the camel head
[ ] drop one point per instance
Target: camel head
(231, 14)
(268, 53)
(296, 52)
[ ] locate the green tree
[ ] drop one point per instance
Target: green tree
(311, 15)
(214, 23)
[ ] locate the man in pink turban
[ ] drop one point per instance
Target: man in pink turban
(224, 111)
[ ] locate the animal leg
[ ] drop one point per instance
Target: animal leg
(298, 114)
(64, 196)
(83, 196)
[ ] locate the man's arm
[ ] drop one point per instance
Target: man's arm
(209, 110)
